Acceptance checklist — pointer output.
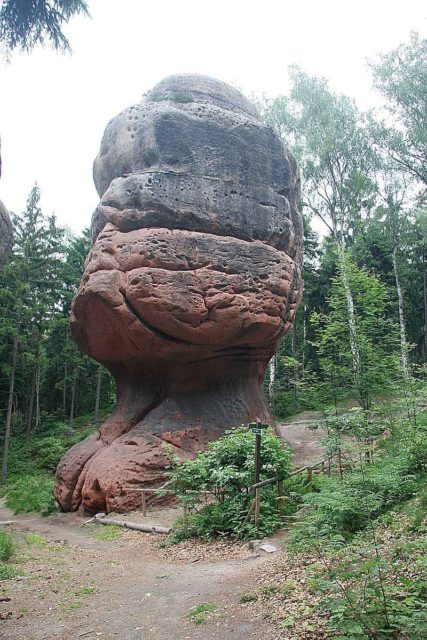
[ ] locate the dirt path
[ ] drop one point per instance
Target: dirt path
(71, 586)
(303, 436)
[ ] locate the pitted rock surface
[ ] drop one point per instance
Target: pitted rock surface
(193, 277)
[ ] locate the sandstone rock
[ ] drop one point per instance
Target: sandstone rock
(6, 234)
(6, 229)
(193, 277)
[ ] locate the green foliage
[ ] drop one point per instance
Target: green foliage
(42, 453)
(376, 337)
(36, 540)
(6, 546)
(108, 532)
(225, 471)
(341, 508)
(31, 493)
(370, 596)
(200, 613)
(6, 571)
(23, 25)
(401, 75)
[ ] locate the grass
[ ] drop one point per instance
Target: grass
(6, 571)
(248, 596)
(6, 546)
(108, 532)
(86, 590)
(36, 540)
(31, 493)
(201, 612)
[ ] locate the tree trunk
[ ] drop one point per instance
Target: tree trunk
(294, 355)
(9, 407)
(304, 338)
(425, 306)
(31, 405)
(36, 426)
(64, 392)
(98, 395)
(351, 319)
(73, 398)
(272, 379)
(403, 340)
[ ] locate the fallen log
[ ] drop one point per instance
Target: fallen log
(145, 528)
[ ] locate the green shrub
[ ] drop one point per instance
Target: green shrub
(31, 493)
(6, 546)
(42, 453)
(226, 470)
(369, 597)
(341, 508)
(286, 404)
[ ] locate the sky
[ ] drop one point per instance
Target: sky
(54, 108)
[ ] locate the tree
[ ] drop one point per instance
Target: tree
(30, 289)
(401, 76)
(26, 23)
(327, 133)
(377, 337)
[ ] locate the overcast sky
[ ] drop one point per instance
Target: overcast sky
(54, 108)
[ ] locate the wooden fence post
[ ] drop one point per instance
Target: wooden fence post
(257, 472)
(280, 496)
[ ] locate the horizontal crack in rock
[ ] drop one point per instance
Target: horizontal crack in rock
(147, 325)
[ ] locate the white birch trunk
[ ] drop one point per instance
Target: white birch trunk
(272, 379)
(304, 338)
(403, 340)
(354, 347)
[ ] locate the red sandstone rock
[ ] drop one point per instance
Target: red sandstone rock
(193, 277)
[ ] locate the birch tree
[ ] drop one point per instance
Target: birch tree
(401, 76)
(328, 135)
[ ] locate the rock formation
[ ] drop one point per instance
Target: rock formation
(6, 230)
(193, 277)
(6, 234)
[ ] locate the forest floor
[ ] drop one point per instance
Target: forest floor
(69, 584)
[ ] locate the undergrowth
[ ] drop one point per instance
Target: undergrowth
(6, 546)
(32, 463)
(366, 536)
(7, 551)
(214, 487)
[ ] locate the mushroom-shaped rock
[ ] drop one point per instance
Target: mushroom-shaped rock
(193, 277)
